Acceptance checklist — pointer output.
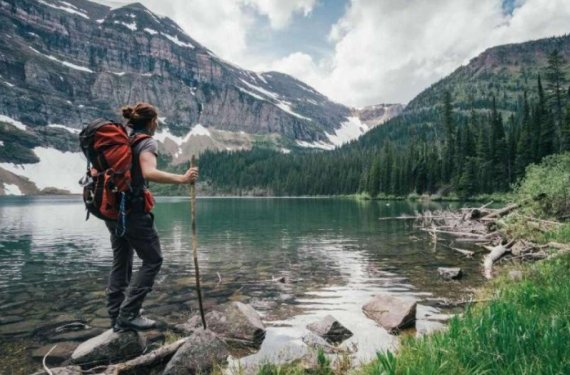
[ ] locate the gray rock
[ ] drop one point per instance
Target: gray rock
(61, 353)
(199, 354)
(235, 322)
(80, 335)
(516, 275)
(391, 312)
(20, 328)
(427, 327)
(68, 370)
(109, 347)
(330, 329)
(318, 343)
(450, 273)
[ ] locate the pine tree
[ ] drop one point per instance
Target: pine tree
(565, 131)
(544, 123)
(374, 178)
(498, 151)
(524, 154)
(449, 147)
(556, 80)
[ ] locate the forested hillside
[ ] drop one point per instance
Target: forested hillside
(451, 138)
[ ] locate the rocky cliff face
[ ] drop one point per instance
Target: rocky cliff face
(71, 61)
(64, 63)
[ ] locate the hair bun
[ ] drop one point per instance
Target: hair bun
(128, 112)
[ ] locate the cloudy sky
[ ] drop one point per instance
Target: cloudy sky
(361, 52)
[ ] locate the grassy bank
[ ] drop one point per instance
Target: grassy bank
(525, 329)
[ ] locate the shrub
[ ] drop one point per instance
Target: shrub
(545, 189)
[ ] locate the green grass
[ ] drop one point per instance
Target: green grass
(525, 330)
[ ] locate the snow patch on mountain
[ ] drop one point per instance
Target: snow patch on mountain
(12, 122)
(130, 26)
(11, 189)
(317, 144)
(66, 7)
(56, 169)
(197, 130)
(174, 39)
(1, 143)
(69, 129)
(349, 131)
(281, 104)
(258, 97)
(150, 31)
(286, 106)
(63, 62)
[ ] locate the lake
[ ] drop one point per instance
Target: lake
(335, 253)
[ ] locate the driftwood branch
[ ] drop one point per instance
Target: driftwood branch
(44, 364)
(135, 366)
(502, 212)
(496, 253)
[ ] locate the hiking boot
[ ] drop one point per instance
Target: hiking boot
(133, 323)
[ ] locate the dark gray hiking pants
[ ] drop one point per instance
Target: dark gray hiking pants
(125, 295)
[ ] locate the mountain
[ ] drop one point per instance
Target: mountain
(471, 133)
(64, 63)
(502, 73)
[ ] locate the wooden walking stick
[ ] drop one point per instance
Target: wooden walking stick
(195, 242)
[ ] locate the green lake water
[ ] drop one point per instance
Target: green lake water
(335, 253)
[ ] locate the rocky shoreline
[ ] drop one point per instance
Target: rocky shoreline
(234, 330)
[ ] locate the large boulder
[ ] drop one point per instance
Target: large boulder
(235, 323)
(108, 347)
(330, 329)
(391, 312)
(450, 273)
(198, 355)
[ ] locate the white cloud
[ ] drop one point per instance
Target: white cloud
(223, 25)
(280, 12)
(381, 50)
(387, 51)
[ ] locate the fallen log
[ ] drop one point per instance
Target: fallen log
(496, 253)
(464, 234)
(502, 212)
(154, 358)
(467, 253)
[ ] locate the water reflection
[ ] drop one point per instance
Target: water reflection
(335, 254)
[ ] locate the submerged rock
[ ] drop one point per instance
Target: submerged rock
(235, 322)
(318, 343)
(391, 312)
(427, 327)
(330, 329)
(198, 355)
(450, 273)
(109, 347)
(61, 353)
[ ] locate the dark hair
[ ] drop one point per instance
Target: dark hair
(140, 115)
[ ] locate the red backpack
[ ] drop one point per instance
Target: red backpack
(107, 183)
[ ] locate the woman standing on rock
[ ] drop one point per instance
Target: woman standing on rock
(125, 294)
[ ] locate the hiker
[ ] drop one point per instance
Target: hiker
(125, 294)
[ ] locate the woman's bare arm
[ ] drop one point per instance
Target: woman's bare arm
(151, 173)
